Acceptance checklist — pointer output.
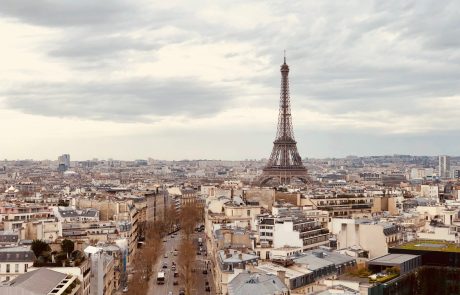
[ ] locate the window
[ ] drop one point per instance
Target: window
(16, 267)
(7, 268)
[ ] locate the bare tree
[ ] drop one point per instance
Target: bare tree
(171, 217)
(187, 256)
(189, 218)
(146, 258)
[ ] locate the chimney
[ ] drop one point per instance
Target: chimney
(281, 275)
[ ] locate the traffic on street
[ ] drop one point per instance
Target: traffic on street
(167, 279)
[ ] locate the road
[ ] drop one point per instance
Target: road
(169, 246)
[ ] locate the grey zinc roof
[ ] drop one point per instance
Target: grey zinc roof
(6, 237)
(255, 284)
(234, 258)
(16, 255)
(337, 258)
(37, 282)
(392, 259)
(313, 262)
(90, 212)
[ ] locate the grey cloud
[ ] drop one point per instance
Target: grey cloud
(134, 100)
(330, 46)
(97, 47)
(68, 12)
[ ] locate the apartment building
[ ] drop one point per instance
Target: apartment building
(15, 261)
(340, 205)
(299, 232)
(15, 215)
(370, 235)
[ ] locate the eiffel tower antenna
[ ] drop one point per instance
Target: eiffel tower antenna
(285, 163)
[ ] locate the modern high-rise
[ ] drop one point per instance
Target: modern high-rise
(64, 162)
(444, 166)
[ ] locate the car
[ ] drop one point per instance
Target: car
(164, 240)
(173, 263)
(173, 268)
(205, 271)
(175, 283)
(125, 290)
(166, 255)
(175, 253)
(181, 291)
(165, 266)
(206, 283)
(170, 293)
(176, 274)
(207, 289)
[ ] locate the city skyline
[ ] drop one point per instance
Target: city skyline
(180, 81)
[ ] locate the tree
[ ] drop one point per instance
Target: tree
(67, 246)
(187, 256)
(189, 218)
(146, 258)
(170, 218)
(63, 203)
(39, 246)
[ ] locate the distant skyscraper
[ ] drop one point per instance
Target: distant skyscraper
(444, 166)
(64, 162)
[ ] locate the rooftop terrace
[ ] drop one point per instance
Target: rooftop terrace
(431, 245)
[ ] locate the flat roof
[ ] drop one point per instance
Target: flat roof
(291, 273)
(430, 245)
(392, 259)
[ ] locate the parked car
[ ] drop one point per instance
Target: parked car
(207, 289)
(175, 283)
(176, 274)
(205, 271)
(125, 290)
(181, 291)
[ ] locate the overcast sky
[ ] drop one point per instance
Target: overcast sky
(200, 79)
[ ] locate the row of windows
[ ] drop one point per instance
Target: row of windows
(8, 268)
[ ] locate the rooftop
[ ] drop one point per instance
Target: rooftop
(430, 245)
(392, 259)
(255, 283)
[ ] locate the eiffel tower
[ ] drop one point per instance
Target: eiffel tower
(285, 163)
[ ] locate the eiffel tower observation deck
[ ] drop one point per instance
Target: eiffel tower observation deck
(285, 163)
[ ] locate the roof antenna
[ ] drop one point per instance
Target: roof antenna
(284, 56)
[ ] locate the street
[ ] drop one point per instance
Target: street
(201, 264)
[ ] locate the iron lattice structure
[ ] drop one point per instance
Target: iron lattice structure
(285, 162)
